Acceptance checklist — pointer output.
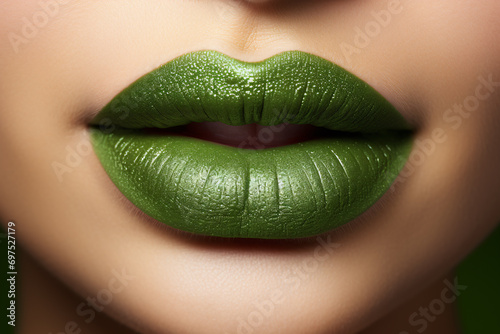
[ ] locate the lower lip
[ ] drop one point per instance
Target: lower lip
(285, 192)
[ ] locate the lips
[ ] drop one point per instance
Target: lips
(209, 181)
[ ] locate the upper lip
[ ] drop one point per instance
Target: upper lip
(237, 93)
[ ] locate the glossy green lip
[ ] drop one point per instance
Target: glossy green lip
(292, 191)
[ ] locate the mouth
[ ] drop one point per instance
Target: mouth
(289, 147)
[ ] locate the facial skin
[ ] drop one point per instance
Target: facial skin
(427, 59)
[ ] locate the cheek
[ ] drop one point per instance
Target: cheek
(457, 40)
(14, 12)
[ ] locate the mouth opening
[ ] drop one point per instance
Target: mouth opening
(251, 136)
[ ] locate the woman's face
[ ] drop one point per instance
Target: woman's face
(437, 62)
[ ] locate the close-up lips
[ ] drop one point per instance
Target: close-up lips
(288, 147)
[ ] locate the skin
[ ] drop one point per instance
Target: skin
(391, 261)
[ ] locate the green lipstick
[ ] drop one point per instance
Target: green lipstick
(292, 191)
